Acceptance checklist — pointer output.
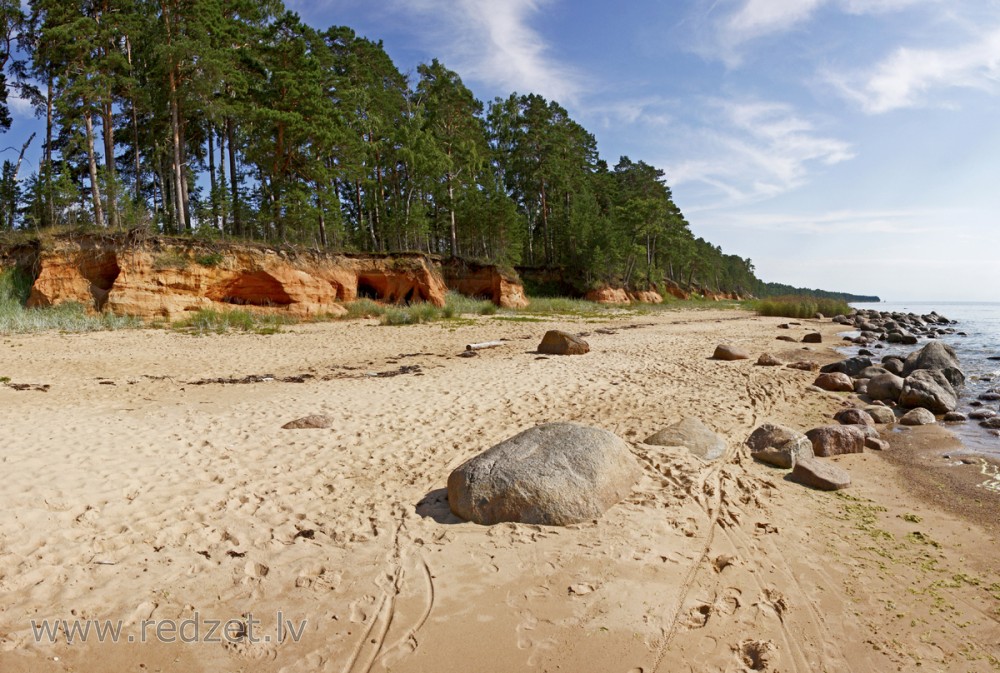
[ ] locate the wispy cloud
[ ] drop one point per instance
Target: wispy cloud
(754, 150)
(733, 24)
(837, 223)
(493, 43)
(649, 112)
(21, 107)
(908, 76)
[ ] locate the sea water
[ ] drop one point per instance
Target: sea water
(980, 324)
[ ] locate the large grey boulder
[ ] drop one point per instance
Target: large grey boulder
(881, 415)
(833, 440)
(893, 364)
(885, 387)
(928, 388)
(871, 372)
(852, 416)
(770, 435)
(935, 355)
(818, 474)
(918, 416)
(850, 366)
(778, 445)
(692, 434)
(786, 455)
(553, 475)
(835, 382)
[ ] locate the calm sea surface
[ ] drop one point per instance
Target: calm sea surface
(981, 323)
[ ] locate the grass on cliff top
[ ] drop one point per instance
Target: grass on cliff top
(15, 318)
(799, 307)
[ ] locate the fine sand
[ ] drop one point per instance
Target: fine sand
(131, 492)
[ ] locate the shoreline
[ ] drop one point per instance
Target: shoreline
(158, 484)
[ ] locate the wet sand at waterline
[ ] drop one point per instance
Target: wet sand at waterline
(134, 491)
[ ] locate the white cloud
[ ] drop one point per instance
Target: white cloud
(839, 223)
(493, 43)
(754, 150)
(649, 111)
(749, 20)
(763, 17)
(907, 77)
(20, 107)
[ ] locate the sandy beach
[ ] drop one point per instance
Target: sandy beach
(152, 483)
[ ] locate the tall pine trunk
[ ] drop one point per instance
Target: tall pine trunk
(178, 169)
(211, 178)
(222, 180)
(108, 128)
(233, 176)
(50, 205)
(451, 208)
(95, 188)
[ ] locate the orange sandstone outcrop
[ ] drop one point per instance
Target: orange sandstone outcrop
(484, 281)
(675, 290)
(164, 277)
(609, 295)
(646, 297)
(615, 295)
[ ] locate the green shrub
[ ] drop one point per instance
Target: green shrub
(412, 315)
(171, 259)
(210, 321)
(458, 304)
(15, 287)
(363, 308)
(209, 259)
(567, 306)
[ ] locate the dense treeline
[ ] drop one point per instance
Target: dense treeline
(234, 118)
(780, 290)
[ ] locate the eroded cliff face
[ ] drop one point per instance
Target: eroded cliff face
(162, 277)
(617, 295)
(484, 282)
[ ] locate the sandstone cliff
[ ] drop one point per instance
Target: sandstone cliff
(167, 277)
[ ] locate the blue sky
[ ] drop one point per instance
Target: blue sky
(843, 144)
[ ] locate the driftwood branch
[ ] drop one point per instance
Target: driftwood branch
(484, 344)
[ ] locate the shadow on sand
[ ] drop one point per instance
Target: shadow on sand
(434, 505)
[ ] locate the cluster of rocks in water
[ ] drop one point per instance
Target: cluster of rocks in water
(895, 327)
(913, 390)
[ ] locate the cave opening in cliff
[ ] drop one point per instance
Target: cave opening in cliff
(101, 271)
(255, 289)
(367, 289)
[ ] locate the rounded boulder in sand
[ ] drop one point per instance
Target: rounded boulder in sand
(835, 382)
(691, 433)
(556, 342)
(553, 475)
(728, 352)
